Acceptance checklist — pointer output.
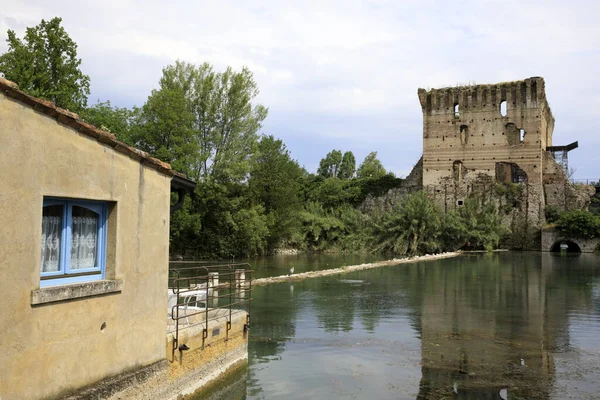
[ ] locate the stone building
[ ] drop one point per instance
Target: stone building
(89, 309)
(475, 137)
(84, 251)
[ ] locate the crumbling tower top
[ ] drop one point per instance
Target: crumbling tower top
(525, 94)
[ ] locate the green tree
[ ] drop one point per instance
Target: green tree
(205, 124)
(165, 128)
(329, 166)
(275, 184)
(552, 214)
(250, 229)
(225, 121)
(185, 229)
(371, 167)
(454, 233)
(119, 121)
(320, 227)
(483, 223)
(334, 193)
(44, 64)
(348, 166)
(229, 224)
(579, 224)
(411, 228)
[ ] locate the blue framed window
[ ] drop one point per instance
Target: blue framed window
(73, 241)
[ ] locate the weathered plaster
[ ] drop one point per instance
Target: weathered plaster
(59, 347)
(75, 291)
(200, 365)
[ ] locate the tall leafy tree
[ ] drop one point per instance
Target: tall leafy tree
(275, 184)
(348, 166)
(44, 64)
(206, 124)
(274, 175)
(165, 128)
(225, 120)
(371, 167)
(329, 166)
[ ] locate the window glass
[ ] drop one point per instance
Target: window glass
(52, 226)
(84, 238)
(73, 241)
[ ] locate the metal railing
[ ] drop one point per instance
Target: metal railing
(219, 286)
(594, 182)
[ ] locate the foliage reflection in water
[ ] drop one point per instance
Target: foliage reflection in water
(522, 325)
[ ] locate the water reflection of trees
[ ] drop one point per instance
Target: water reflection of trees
(273, 323)
(273, 320)
(479, 318)
(492, 323)
(367, 296)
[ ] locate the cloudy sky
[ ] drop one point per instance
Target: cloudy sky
(344, 74)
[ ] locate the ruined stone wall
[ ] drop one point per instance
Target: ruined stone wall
(412, 183)
(560, 192)
(466, 137)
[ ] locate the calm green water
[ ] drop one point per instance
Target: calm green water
(526, 324)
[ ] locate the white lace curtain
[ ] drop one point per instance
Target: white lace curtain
(83, 246)
(51, 234)
(83, 241)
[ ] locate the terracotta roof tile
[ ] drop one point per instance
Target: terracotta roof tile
(72, 120)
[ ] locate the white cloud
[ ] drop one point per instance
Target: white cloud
(342, 70)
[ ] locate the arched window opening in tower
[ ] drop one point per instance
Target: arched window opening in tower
(503, 108)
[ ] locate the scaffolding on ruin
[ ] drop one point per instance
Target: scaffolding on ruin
(561, 154)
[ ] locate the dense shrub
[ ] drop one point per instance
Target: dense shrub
(579, 224)
(552, 214)
(412, 227)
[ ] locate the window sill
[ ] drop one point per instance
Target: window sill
(75, 291)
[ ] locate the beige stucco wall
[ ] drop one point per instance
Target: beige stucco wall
(55, 347)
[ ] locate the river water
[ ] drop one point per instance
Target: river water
(518, 325)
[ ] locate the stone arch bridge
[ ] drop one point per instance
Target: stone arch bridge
(552, 240)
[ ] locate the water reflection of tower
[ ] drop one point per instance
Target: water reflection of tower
(488, 325)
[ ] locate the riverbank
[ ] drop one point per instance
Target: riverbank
(351, 268)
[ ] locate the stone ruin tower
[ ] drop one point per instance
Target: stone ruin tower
(477, 136)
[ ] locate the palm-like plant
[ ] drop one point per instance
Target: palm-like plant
(412, 227)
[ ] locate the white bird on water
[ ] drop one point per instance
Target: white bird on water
(291, 271)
